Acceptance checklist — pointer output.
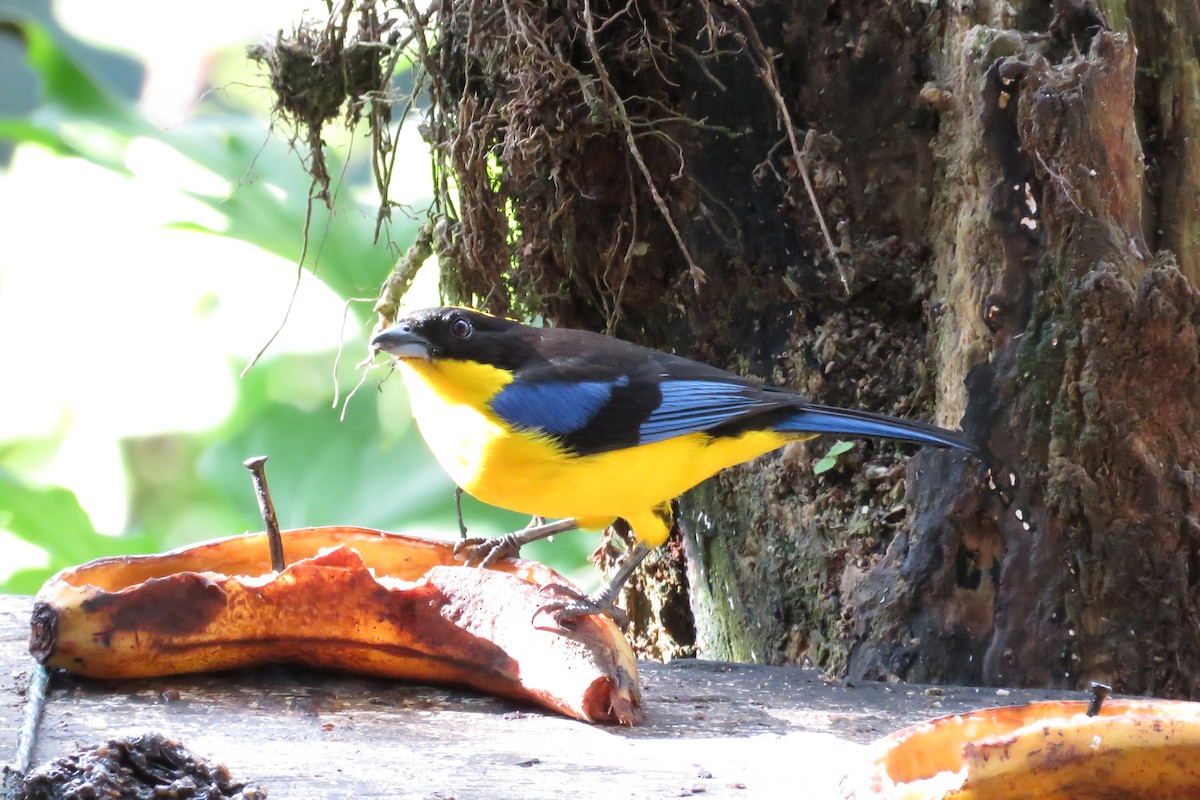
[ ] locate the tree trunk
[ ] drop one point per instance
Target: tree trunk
(1011, 190)
(1057, 335)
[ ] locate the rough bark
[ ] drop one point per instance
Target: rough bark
(1056, 334)
(1012, 191)
(1091, 391)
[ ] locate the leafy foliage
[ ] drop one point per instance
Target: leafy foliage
(190, 486)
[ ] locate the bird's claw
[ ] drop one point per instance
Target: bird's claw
(576, 604)
(484, 553)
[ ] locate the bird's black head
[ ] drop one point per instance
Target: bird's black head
(456, 333)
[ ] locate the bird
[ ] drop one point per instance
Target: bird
(582, 428)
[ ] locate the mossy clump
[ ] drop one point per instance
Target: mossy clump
(316, 72)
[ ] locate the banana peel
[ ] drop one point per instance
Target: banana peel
(351, 599)
(1052, 750)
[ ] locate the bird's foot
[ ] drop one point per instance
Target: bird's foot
(485, 552)
(575, 604)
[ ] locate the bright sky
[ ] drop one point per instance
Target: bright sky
(106, 313)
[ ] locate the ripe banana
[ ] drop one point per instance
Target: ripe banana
(350, 599)
(1140, 749)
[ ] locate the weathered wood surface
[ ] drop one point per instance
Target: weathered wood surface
(720, 730)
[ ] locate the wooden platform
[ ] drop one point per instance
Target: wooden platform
(712, 729)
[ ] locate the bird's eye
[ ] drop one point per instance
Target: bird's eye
(461, 328)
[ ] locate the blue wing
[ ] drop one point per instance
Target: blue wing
(689, 406)
(692, 406)
(669, 397)
(601, 415)
(555, 407)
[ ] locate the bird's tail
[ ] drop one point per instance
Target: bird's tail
(848, 422)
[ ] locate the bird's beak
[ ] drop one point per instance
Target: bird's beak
(402, 342)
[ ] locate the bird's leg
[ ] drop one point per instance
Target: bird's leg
(462, 528)
(485, 552)
(603, 601)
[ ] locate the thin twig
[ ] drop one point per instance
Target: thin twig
(337, 358)
(362, 368)
(1064, 186)
(622, 114)
(31, 717)
(292, 300)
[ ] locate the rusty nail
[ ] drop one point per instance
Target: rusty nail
(257, 469)
(1100, 691)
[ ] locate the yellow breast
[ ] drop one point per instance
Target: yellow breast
(449, 402)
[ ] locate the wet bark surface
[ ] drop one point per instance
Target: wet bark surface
(1090, 392)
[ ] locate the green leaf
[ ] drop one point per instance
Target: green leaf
(829, 461)
(78, 114)
(268, 205)
(69, 87)
(23, 130)
(26, 581)
(51, 518)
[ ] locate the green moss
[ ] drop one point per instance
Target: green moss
(1040, 363)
